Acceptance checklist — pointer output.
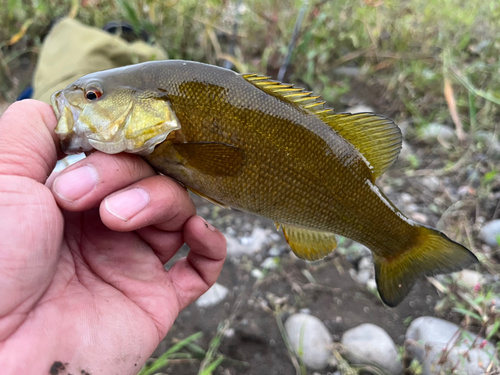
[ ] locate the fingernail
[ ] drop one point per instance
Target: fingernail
(127, 204)
(75, 184)
(208, 225)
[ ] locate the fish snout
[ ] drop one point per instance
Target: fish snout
(74, 144)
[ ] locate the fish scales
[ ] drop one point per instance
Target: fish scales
(317, 183)
(262, 147)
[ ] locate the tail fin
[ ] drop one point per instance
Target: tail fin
(432, 253)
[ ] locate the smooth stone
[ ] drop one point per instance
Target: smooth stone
(428, 337)
(309, 335)
(469, 278)
(418, 217)
(276, 251)
(369, 344)
(431, 182)
(489, 139)
(355, 252)
(371, 284)
(435, 131)
(213, 296)
(489, 233)
(366, 263)
(237, 247)
(270, 263)
(360, 277)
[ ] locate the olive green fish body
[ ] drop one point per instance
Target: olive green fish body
(254, 144)
(297, 169)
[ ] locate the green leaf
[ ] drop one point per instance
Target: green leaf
(493, 330)
(212, 366)
(468, 313)
(163, 360)
(131, 14)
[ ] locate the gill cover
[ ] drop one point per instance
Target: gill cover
(120, 120)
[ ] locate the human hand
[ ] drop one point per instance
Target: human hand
(80, 287)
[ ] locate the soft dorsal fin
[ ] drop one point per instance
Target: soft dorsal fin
(377, 138)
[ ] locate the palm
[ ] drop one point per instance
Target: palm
(78, 294)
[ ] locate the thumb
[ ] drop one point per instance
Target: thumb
(28, 144)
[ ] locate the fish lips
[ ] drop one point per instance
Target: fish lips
(67, 115)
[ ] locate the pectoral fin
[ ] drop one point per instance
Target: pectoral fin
(216, 159)
(309, 244)
(211, 200)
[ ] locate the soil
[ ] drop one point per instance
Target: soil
(254, 344)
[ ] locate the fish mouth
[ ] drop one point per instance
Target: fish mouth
(67, 115)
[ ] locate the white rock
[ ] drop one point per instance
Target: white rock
(489, 139)
(469, 278)
(438, 336)
(213, 296)
(270, 263)
(362, 276)
(418, 217)
(370, 344)
(310, 340)
(275, 251)
(431, 182)
(366, 263)
(489, 233)
(371, 284)
(435, 131)
(249, 244)
(258, 274)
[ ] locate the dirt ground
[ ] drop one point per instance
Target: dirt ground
(254, 342)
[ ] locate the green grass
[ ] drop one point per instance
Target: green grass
(406, 46)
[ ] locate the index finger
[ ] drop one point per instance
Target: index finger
(28, 144)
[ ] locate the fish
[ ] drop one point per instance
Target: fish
(254, 144)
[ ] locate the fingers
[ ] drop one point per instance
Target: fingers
(194, 275)
(86, 183)
(144, 199)
(28, 144)
(157, 201)
(164, 244)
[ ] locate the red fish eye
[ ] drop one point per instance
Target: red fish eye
(93, 94)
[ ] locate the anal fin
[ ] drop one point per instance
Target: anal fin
(309, 244)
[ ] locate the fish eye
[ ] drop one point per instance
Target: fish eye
(93, 93)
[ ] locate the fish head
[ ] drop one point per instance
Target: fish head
(97, 112)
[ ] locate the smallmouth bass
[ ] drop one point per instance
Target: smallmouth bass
(260, 146)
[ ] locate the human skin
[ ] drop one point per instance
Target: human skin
(82, 278)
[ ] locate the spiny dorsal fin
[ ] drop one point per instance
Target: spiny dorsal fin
(377, 138)
(286, 91)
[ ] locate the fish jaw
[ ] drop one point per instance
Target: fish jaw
(140, 126)
(70, 140)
